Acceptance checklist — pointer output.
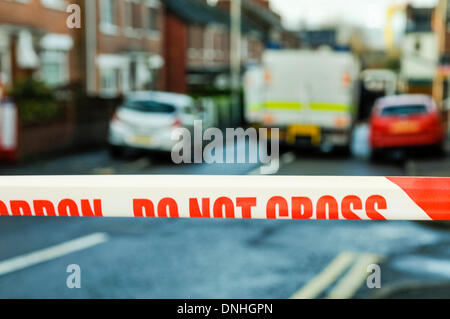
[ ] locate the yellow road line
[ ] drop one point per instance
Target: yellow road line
(352, 281)
(327, 277)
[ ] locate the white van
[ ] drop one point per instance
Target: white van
(310, 95)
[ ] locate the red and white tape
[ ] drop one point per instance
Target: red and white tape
(257, 197)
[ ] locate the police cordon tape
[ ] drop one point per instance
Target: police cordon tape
(247, 197)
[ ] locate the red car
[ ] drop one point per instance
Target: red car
(403, 121)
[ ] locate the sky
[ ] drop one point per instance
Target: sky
(314, 13)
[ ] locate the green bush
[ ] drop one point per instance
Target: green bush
(36, 102)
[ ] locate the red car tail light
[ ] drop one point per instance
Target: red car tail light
(430, 122)
(378, 125)
(177, 123)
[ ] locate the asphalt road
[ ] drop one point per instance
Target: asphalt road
(149, 258)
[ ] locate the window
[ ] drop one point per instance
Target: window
(152, 19)
(128, 14)
(54, 4)
(108, 81)
(112, 81)
(244, 48)
(108, 16)
(404, 110)
(113, 74)
(195, 37)
(132, 17)
(149, 106)
(4, 68)
(55, 68)
(152, 16)
(5, 59)
(137, 15)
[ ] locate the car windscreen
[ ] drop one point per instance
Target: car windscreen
(403, 110)
(149, 106)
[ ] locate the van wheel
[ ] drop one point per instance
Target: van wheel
(344, 151)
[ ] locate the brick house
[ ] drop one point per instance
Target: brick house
(420, 56)
(197, 44)
(121, 46)
(34, 39)
(129, 44)
(118, 48)
(261, 15)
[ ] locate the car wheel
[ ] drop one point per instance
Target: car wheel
(375, 155)
(115, 151)
(439, 150)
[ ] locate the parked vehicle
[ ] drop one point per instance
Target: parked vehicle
(147, 119)
(402, 121)
(310, 95)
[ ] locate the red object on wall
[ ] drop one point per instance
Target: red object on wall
(8, 130)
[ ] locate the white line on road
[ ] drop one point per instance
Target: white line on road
(352, 281)
(53, 252)
(327, 277)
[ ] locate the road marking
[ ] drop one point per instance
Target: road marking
(327, 277)
(53, 252)
(353, 280)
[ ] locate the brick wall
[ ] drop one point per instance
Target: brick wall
(175, 34)
(48, 137)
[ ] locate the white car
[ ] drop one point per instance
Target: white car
(147, 119)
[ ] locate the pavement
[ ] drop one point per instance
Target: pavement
(160, 258)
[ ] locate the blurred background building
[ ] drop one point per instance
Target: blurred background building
(184, 46)
(180, 46)
(419, 57)
(128, 45)
(34, 38)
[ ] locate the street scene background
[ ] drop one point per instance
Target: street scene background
(66, 88)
